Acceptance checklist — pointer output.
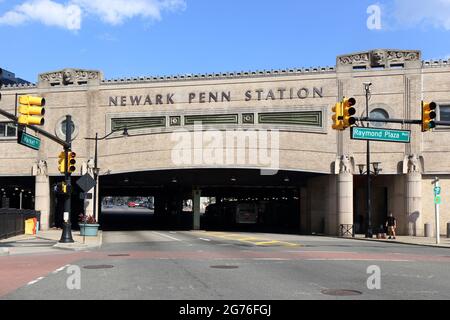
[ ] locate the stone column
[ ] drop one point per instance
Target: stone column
(414, 197)
(344, 212)
(304, 220)
(196, 195)
(42, 193)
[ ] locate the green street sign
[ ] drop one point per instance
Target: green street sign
(437, 191)
(385, 135)
(28, 140)
(438, 200)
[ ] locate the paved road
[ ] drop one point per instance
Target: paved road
(218, 265)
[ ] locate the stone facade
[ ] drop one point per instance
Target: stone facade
(297, 102)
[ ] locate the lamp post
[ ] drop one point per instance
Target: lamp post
(21, 199)
(96, 168)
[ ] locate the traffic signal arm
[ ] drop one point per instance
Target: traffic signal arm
(35, 129)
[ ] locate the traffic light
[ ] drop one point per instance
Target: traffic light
(338, 117)
(64, 187)
(72, 162)
(62, 162)
(61, 188)
(428, 116)
(349, 112)
(31, 110)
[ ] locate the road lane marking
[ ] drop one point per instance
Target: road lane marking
(60, 269)
(265, 243)
(208, 240)
(251, 240)
(166, 236)
(35, 281)
(270, 259)
(357, 260)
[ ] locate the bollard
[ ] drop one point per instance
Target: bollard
(428, 230)
(448, 230)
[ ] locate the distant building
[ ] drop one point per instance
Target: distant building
(7, 78)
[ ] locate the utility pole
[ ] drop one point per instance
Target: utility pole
(67, 225)
(369, 232)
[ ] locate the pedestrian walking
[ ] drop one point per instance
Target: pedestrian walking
(391, 224)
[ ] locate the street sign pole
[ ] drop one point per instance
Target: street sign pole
(437, 201)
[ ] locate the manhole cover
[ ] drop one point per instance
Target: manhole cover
(101, 266)
(225, 267)
(119, 255)
(341, 292)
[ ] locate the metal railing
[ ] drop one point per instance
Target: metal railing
(12, 221)
(347, 230)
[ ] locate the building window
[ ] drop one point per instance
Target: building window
(379, 114)
(64, 126)
(8, 130)
(444, 112)
(61, 128)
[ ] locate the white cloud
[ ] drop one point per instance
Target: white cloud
(45, 11)
(117, 11)
(69, 15)
(435, 13)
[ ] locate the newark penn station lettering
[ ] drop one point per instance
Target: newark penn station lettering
(213, 97)
(178, 138)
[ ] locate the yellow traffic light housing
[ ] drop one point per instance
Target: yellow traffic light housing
(338, 116)
(349, 111)
(64, 187)
(31, 110)
(428, 116)
(62, 162)
(72, 162)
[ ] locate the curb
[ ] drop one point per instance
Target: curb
(80, 246)
(401, 242)
(4, 252)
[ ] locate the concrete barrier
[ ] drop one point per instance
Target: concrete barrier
(428, 230)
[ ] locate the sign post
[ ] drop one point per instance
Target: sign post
(437, 202)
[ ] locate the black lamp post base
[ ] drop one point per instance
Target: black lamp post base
(67, 234)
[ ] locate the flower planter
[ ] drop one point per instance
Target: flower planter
(89, 230)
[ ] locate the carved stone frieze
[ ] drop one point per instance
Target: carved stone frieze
(69, 77)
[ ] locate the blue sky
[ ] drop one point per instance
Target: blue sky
(125, 38)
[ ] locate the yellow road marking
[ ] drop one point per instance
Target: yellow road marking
(264, 243)
(252, 240)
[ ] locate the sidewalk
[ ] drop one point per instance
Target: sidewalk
(81, 243)
(47, 241)
(418, 241)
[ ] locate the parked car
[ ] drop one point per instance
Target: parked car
(132, 204)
